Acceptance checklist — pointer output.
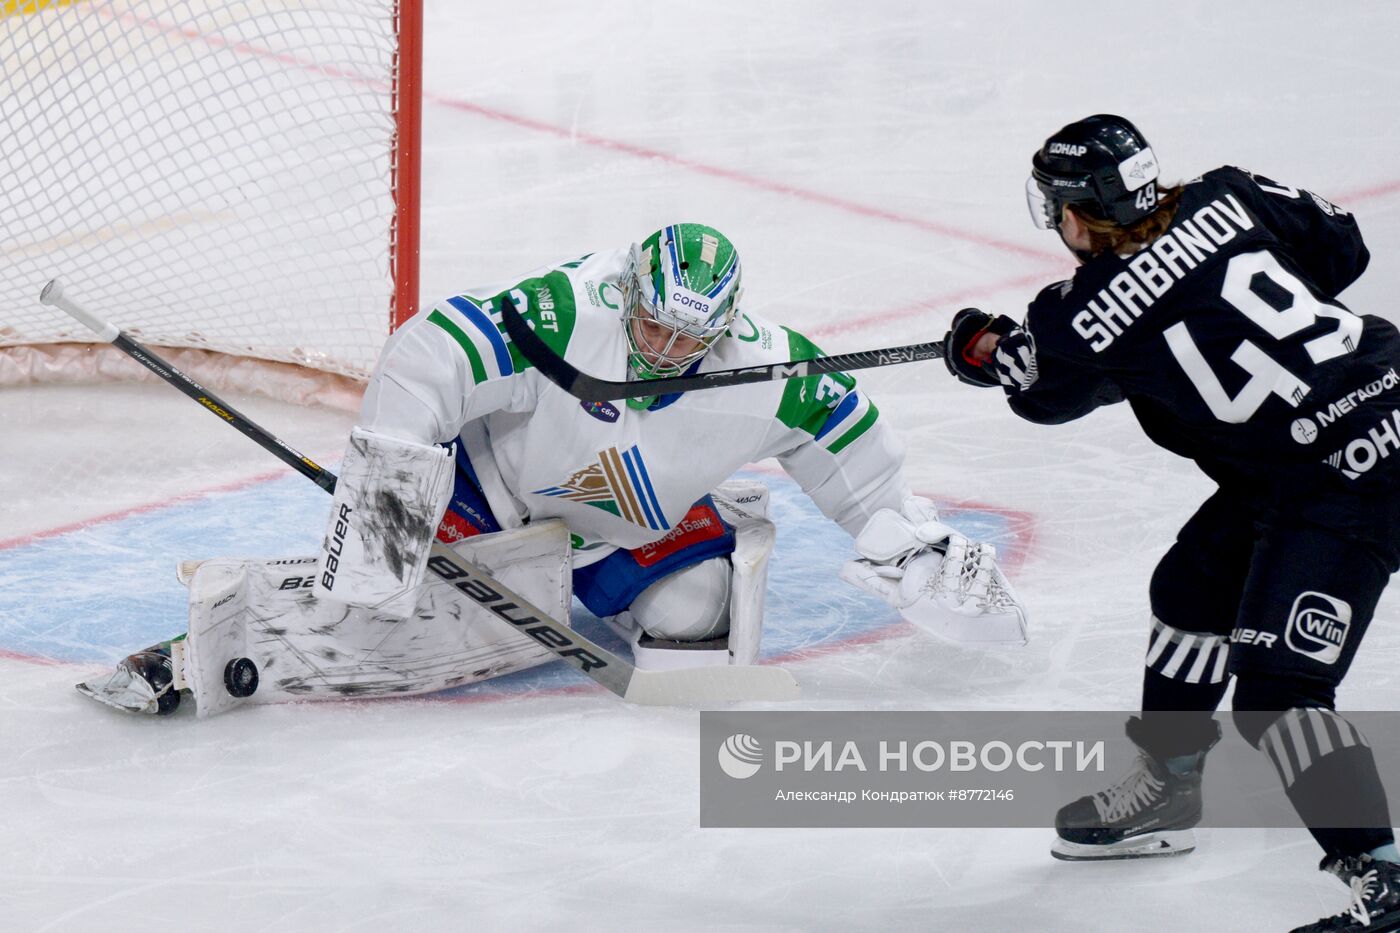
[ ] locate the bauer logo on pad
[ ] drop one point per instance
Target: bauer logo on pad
(1318, 626)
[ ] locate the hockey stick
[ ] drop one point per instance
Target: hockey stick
(583, 386)
(652, 688)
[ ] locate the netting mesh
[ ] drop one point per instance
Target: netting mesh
(203, 173)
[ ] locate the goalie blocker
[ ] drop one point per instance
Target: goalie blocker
(388, 501)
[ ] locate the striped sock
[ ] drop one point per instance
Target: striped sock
(1189, 657)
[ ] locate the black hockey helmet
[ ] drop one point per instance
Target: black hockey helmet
(1102, 165)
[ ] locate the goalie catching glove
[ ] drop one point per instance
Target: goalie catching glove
(937, 579)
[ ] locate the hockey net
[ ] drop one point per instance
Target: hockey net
(237, 179)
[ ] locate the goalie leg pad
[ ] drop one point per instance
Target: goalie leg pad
(743, 506)
(387, 505)
(609, 586)
(302, 647)
(688, 605)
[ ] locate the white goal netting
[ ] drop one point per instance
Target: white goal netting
(213, 174)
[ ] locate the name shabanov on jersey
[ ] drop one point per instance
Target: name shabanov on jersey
(1153, 271)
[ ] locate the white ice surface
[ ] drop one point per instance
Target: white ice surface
(868, 159)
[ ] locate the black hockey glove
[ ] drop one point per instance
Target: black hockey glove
(1014, 361)
(968, 326)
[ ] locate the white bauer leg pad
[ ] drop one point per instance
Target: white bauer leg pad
(744, 505)
(258, 624)
(388, 501)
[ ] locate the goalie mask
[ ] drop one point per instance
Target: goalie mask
(680, 292)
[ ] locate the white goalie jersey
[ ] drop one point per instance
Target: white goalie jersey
(570, 482)
(616, 475)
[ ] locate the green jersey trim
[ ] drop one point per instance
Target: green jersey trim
(547, 304)
(862, 424)
(829, 407)
(457, 334)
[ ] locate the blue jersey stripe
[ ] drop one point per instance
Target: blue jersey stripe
(651, 493)
(848, 405)
(628, 460)
(493, 336)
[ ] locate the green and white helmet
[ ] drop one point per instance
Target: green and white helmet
(685, 277)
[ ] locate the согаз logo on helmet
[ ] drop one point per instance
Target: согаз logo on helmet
(687, 301)
(740, 756)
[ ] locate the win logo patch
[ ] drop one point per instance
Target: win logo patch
(1318, 626)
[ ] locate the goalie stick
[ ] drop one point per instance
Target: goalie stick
(583, 386)
(651, 688)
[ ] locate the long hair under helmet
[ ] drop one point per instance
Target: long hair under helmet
(1100, 165)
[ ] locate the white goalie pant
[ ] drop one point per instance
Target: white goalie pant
(711, 613)
(302, 647)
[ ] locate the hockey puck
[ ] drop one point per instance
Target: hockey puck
(241, 678)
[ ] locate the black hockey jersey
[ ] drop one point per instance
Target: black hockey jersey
(1226, 338)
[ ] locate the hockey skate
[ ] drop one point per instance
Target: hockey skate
(1149, 813)
(1375, 896)
(143, 682)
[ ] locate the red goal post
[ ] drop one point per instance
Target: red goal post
(238, 179)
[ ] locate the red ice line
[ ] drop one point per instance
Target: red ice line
(743, 178)
(859, 322)
(233, 486)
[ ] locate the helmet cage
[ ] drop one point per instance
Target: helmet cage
(655, 289)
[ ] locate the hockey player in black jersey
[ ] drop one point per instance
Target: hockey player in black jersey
(1211, 308)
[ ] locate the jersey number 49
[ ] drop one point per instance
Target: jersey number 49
(1267, 376)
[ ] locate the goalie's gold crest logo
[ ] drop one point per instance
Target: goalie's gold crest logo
(616, 482)
(589, 481)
